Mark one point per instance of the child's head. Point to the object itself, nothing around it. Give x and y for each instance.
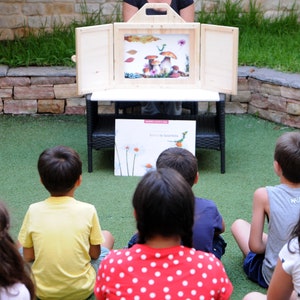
(164, 205)
(59, 168)
(287, 155)
(181, 160)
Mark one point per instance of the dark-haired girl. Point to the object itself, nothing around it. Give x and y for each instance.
(158, 266)
(15, 276)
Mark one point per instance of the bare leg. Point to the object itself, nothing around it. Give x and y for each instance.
(240, 230)
(255, 296)
(109, 240)
(293, 296)
(260, 296)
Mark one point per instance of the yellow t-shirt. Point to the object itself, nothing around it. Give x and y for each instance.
(61, 229)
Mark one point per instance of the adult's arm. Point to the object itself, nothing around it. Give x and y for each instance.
(128, 11)
(188, 13)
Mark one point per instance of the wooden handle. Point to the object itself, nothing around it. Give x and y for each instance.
(170, 17)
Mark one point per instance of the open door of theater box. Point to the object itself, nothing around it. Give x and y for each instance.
(157, 51)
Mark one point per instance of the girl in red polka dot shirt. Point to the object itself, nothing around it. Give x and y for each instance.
(163, 264)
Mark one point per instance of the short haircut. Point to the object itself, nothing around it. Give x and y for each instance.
(287, 154)
(59, 168)
(181, 160)
(164, 205)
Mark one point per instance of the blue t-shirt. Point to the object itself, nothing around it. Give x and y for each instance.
(207, 221)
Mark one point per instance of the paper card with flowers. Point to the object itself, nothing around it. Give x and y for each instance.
(139, 142)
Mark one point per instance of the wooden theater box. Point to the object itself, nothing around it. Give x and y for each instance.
(153, 53)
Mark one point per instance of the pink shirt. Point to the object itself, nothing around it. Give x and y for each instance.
(179, 272)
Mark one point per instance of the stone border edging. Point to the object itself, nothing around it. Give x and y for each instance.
(269, 94)
(271, 76)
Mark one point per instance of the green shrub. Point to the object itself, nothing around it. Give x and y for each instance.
(263, 42)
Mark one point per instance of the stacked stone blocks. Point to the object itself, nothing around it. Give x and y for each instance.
(269, 94)
(17, 16)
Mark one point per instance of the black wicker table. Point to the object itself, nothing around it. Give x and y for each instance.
(210, 127)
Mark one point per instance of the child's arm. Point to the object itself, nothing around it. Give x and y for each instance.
(218, 232)
(257, 239)
(95, 251)
(281, 285)
(28, 254)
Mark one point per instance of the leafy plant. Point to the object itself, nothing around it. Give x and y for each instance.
(271, 42)
(263, 42)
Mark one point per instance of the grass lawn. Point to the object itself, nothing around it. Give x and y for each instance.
(249, 158)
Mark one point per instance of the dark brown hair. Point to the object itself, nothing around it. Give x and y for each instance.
(287, 154)
(59, 168)
(164, 205)
(181, 160)
(13, 269)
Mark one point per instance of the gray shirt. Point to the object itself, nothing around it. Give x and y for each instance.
(284, 214)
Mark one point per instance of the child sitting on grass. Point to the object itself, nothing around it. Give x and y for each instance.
(15, 275)
(163, 264)
(61, 236)
(208, 222)
(278, 205)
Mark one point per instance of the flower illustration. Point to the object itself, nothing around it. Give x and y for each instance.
(127, 149)
(135, 150)
(181, 42)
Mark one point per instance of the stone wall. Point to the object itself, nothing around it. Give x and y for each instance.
(269, 94)
(16, 15)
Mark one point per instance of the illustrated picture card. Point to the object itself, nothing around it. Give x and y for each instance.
(138, 143)
(155, 54)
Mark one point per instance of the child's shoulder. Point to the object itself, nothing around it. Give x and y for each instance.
(85, 205)
(204, 203)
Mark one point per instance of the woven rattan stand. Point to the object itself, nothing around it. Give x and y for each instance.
(210, 129)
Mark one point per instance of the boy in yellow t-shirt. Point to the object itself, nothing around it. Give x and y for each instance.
(60, 235)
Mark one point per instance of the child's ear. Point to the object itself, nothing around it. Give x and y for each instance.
(78, 182)
(196, 178)
(277, 168)
(134, 213)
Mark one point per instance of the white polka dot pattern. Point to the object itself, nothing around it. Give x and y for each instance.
(142, 272)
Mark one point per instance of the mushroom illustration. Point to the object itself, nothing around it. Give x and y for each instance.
(155, 68)
(146, 71)
(166, 65)
(175, 72)
(150, 59)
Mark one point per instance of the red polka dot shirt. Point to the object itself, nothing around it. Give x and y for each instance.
(179, 272)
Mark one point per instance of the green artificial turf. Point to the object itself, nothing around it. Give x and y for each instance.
(249, 164)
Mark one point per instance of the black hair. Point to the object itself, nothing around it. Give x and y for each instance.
(295, 233)
(164, 205)
(181, 160)
(59, 168)
(287, 154)
(13, 268)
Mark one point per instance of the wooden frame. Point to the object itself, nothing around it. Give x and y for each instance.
(94, 57)
(219, 58)
(173, 47)
(100, 57)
